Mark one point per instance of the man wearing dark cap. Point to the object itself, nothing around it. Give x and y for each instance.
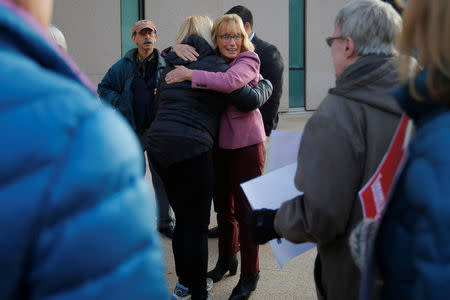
(129, 87)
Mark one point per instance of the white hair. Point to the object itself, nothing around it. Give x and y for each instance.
(373, 26)
(58, 36)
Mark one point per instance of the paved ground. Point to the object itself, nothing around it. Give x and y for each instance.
(294, 281)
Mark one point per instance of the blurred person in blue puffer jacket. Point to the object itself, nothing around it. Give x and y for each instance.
(75, 209)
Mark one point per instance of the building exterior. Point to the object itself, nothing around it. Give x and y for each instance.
(98, 34)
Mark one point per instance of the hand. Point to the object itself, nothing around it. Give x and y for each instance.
(185, 52)
(179, 74)
(260, 223)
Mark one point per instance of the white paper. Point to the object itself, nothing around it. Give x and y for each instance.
(269, 191)
(285, 251)
(284, 147)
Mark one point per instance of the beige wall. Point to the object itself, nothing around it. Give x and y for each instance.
(92, 31)
(319, 65)
(169, 14)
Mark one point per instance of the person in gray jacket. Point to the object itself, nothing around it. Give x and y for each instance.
(342, 145)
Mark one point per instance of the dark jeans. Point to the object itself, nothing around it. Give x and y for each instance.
(233, 167)
(189, 189)
(164, 217)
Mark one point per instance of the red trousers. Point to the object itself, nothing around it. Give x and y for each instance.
(233, 167)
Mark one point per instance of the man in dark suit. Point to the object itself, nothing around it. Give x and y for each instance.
(271, 68)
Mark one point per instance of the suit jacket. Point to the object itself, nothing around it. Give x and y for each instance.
(272, 69)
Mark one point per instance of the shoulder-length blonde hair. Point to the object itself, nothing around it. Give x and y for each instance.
(231, 23)
(195, 25)
(427, 27)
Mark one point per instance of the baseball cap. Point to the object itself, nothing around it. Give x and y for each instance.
(139, 25)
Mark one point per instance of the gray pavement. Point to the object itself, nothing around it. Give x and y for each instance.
(294, 281)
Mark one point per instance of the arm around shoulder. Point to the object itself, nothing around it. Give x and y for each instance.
(242, 72)
(249, 98)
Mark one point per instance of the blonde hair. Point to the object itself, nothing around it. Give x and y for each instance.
(427, 26)
(58, 36)
(231, 23)
(195, 25)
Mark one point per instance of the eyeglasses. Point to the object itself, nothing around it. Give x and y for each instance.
(228, 38)
(330, 40)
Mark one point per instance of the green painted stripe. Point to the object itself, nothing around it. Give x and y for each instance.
(129, 14)
(296, 53)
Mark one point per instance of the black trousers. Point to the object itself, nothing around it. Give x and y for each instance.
(189, 189)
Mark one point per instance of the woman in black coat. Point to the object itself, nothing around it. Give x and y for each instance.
(181, 140)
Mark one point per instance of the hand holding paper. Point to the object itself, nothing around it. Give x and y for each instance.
(260, 223)
(266, 194)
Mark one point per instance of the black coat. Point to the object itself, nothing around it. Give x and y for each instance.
(187, 120)
(272, 69)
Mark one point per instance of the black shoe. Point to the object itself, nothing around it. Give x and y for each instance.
(246, 285)
(167, 231)
(213, 233)
(223, 265)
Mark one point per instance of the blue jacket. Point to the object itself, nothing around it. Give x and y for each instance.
(412, 246)
(77, 213)
(115, 87)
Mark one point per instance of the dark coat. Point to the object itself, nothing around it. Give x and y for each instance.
(272, 69)
(115, 87)
(187, 120)
(341, 147)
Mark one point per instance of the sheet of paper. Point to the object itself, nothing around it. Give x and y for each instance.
(269, 191)
(283, 150)
(285, 251)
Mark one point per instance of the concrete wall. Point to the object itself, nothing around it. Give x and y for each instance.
(92, 31)
(319, 65)
(169, 14)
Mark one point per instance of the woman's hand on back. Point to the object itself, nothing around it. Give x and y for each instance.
(185, 52)
(179, 74)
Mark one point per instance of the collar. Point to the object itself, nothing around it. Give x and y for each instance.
(418, 110)
(140, 58)
(251, 37)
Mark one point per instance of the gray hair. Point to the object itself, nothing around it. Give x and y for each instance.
(373, 26)
(58, 36)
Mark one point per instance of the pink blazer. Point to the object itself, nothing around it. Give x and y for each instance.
(237, 129)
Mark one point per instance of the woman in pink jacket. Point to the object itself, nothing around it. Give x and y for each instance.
(240, 154)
